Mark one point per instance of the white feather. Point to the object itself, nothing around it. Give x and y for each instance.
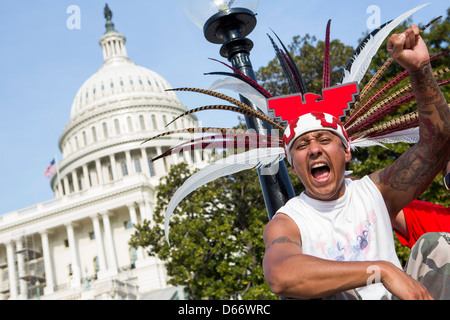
(243, 88)
(256, 158)
(408, 136)
(362, 61)
(364, 143)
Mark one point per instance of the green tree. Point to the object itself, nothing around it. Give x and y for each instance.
(216, 246)
(308, 54)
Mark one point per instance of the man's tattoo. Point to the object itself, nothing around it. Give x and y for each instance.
(422, 78)
(283, 239)
(417, 166)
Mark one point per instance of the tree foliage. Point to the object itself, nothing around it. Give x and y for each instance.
(216, 245)
(308, 54)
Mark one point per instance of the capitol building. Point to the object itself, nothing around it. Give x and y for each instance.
(75, 246)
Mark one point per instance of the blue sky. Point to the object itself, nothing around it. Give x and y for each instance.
(43, 63)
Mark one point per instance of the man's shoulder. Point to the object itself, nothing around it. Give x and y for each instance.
(280, 225)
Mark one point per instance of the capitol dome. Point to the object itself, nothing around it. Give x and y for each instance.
(118, 81)
(113, 112)
(119, 78)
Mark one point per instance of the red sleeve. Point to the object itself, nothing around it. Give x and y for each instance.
(422, 217)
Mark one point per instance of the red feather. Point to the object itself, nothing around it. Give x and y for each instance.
(380, 93)
(231, 140)
(381, 113)
(326, 59)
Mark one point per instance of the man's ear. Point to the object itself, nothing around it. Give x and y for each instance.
(348, 155)
(293, 170)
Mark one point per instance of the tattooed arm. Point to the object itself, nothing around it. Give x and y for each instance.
(413, 171)
(292, 274)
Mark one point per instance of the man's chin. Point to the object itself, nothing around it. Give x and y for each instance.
(324, 193)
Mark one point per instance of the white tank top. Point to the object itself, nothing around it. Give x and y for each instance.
(356, 227)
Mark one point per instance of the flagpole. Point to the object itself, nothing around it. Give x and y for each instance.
(57, 174)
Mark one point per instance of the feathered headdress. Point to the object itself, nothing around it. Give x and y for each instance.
(301, 112)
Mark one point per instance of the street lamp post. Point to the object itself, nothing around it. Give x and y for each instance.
(228, 22)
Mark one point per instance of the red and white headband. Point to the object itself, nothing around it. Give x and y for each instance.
(312, 112)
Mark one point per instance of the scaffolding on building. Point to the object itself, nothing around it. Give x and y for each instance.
(29, 271)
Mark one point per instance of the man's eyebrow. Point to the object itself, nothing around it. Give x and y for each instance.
(324, 133)
(316, 134)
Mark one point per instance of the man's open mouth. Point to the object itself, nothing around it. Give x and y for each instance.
(320, 171)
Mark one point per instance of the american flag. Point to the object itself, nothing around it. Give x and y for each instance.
(50, 169)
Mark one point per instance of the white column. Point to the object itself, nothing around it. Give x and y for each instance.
(23, 287)
(98, 167)
(111, 52)
(76, 270)
(134, 221)
(76, 186)
(108, 51)
(197, 156)
(60, 189)
(104, 52)
(99, 240)
(11, 270)
(160, 165)
(133, 215)
(86, 184)
(175, 159)
(66, 185)
(112, 260)
(112, 160)
(142, 210)
(187, 155)
(49, 277)
(146, 167)
(146, 211)
(130, 166)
